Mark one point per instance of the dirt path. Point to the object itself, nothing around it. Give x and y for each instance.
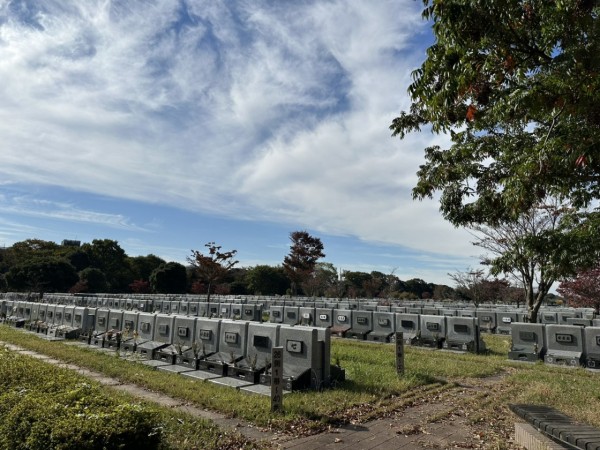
(442, 421)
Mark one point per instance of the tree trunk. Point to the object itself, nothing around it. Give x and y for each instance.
(208, 300)
(534, 302)
(294, 287)
(532, 311)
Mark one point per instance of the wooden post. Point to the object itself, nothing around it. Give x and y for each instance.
(277, 379)
(400, 353)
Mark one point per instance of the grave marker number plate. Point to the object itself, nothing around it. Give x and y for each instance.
(564, 338)
(294, 346)
(205, 335)
(231, 338)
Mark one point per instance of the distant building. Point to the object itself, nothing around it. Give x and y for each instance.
(70, 243)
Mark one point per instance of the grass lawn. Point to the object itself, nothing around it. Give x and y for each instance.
(372, 389)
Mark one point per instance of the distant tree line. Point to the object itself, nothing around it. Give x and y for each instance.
(35, 265)
(103, 266)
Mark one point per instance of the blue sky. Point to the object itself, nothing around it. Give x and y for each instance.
(168, 124)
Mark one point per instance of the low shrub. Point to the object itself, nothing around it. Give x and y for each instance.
(43, 407)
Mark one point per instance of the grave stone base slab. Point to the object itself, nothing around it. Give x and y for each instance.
(201, 375)
(155, 363)
(260, 389)
(231, 382)
(175, 369)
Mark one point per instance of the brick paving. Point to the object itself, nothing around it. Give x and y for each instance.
(430, 425)
(410, 430)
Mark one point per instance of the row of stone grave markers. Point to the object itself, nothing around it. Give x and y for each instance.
(442, 332)
(566, 345)
(224, 351)
(496, 319)
(251, 312)
(198, 306)
(377, 324)
(454, 333)
(419, 307)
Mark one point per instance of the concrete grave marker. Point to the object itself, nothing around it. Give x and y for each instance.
(277, 379)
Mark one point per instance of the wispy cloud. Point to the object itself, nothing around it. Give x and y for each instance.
(40, 208)
(11, 231)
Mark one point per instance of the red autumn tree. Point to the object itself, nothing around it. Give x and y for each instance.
(300, 263)
(583, 290)
(140, 287)
(212, 267)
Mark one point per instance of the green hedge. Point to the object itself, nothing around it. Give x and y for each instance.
(43, 407)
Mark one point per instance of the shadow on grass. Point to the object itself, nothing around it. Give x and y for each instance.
(418, 379)
(496, 352)
(425, 379)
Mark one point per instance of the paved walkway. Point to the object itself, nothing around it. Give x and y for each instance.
(431, 424)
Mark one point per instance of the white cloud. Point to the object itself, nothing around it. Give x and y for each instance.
(253, 111)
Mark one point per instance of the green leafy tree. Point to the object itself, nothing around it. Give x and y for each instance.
(79, 259)
(405, 295)
(419, 287)
(236, 281)
(169, 278)
(322, 279)
(94, 279)
(35, 246)
(143, 266)
(42, 274)
(25, 251)
(540, 247)
(300, 262)
(213, 267)
(356, 281)
(389, 283)
(267, 280)
(108, 256)
(520, 101)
